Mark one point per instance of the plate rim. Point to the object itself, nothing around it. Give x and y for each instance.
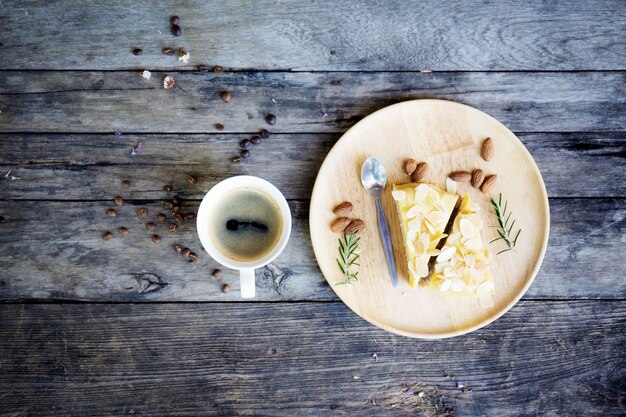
(531, 277)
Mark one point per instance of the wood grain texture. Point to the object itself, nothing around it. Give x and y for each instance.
(70, 101)
(90, 167)
(395, 35)
(551, 358)
(53, 251)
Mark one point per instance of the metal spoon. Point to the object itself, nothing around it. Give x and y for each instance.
(374, 178)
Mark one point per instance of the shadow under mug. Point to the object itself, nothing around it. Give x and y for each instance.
(246, 269)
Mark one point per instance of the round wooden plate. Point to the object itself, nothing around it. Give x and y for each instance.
(447, 136)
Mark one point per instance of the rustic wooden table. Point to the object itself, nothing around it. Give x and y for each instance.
(91, 327)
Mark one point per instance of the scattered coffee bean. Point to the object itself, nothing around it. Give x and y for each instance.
(174, 20)
(178, 248)
(107, 235)
(175, 209)
(265, 134)
(270, 119)
(150, 226)
(142, 213)
(235, 159)
(126, 184)
(218, 69)
(244, 143)
(186, 252)
(156, 238)
(123, 230)
(168, 51)
(179, 217)
(244, 153)
(161, 217)
(192, 179)
(193, 257)
(176, 30)
(118, 200)
(255, 140)
(219, 126)
(168, 204)
(167, 188)
(216, 273)
(172, 227)
(111, 212)
(225, 288)
(189, 216)
(204, 68)
(225, 96)
(175, 200)
(137, 51)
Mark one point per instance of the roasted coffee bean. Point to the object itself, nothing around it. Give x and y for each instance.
(218, 69)
(216, 273)
(118, 200)
(179, 217)
(168, 51)
(142, 213)
(137, 51)
(150, 226)
(225, 95)
(225, 288)
(244, 143)
(107, 235)
(192, 179)
(186, 252)
(167, 188)
(193, 257)
(270, 119)
(176, 30)
(126, 184)
(235, 159)
(175, 209)
(161, 217)
(168, 204)
(255, 140)
(244, 153)
(189, 216)
(264, 134)
(175, 200)
(204, 68)
(174, 20)
(178, 248)
(173, 227)
(123, 230)
(219, 126)
(156, 238)
(111, 212)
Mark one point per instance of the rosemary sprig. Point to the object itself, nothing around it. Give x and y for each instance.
(504, 227)
(348, 258)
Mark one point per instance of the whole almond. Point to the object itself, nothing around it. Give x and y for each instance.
(343, 209)
(410, 165)
(340, 224)
(461, 176)
(477, 178)
(489, 181)
(486, 151)
(419, 172)
(355, 227)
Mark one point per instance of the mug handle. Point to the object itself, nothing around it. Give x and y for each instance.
(246, 278)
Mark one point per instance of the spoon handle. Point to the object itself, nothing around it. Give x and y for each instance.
(385, 236)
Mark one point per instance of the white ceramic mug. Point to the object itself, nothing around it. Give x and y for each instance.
(246, 269)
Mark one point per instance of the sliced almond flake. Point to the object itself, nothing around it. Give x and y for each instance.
(430, 227)
(458, 285)
(413, 211)
(467, 228)
(470, 260)
(451, 185)
(437, 217)
(421, 267)
(441, 205)
(433, 252)
(474, 244)
(398, 195)
(476, 221)
(447, 272)
(446, 254)
(420, 192)
(445, 285)
(485, 301)
(410, 246)
(485, 288)
(415, 224)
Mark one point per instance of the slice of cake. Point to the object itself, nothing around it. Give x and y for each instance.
(424, 212)
(462, 266)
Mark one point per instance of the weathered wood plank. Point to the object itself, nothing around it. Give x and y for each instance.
(53, 251)
(409, 35)
(553, 358)
(86, 167)
(68, 101)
